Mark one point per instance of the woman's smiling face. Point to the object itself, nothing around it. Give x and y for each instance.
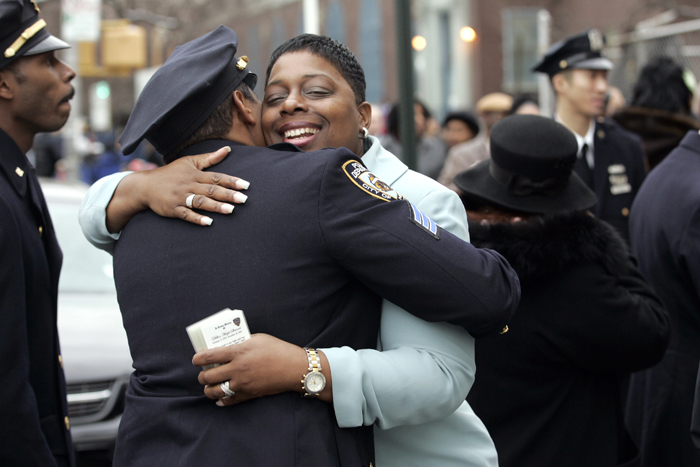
(308, 103)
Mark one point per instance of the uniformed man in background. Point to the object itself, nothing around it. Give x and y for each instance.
(610, 159)
(35, 92)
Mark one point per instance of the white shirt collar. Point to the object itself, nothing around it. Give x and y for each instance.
(581, 140)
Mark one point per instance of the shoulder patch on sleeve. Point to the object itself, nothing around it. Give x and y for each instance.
(423, 221)
(368, 182)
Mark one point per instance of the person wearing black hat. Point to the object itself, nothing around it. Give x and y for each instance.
(549, 389)
(610, 159)
(315, 251)
(34, 97)
(459, 127)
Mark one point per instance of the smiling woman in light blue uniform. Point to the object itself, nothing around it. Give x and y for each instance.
(413, 387)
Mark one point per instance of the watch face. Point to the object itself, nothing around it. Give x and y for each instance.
(314, 382)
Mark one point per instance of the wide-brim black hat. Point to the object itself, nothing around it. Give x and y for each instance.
(530, 169)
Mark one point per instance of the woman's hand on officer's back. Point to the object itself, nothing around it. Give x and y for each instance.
(261, 366)
(166, 190)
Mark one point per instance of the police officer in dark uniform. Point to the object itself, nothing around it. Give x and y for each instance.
(306, 258)
(34, 93)
(610, 159)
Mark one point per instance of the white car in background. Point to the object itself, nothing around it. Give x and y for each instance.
(94, 346)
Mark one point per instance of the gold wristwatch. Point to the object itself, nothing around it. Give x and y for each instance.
(314, 382)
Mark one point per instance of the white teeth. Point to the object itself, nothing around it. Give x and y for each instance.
(300, 132)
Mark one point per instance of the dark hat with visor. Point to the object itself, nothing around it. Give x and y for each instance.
(186, 90)
(581, 51)
(530, 170)
(23, 32)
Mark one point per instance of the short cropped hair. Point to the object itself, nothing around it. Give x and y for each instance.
(216, 126)
(13, 68)
(329, 49)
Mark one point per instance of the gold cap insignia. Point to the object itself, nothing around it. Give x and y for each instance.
(504, 330)
(242, 62)
(19, 172)
(595, 38)
(563, 64)
(24, 37)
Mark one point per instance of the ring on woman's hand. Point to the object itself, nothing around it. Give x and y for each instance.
(188, 201)
(227, 390)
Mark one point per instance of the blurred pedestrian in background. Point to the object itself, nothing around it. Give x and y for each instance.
(665, 237)
(614, 101)
(430, 150)
(35, 91)
(491, 108)
(660, 109)
(548, 390)
(610, 159)
(459, 127)
(525, 104)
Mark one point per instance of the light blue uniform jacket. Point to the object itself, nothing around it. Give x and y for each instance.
(415, 389)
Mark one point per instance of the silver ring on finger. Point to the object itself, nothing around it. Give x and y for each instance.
(227, 390)
(189, 200)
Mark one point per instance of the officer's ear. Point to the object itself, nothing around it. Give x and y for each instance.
(365, 110)
(560, 80)
(7, 84)
(248, 108)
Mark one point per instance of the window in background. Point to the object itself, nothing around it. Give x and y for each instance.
(519, 49)
(372, 49)
(335, 21)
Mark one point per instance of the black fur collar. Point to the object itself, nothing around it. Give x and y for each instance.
(548, 244)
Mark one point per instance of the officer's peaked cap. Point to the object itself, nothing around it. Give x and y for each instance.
(23, 32)
(581, 51)
(190, 85)
(530, 169)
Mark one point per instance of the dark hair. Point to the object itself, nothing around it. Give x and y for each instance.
(13, 68)
(467, 117)
(661, 86)
(392, 120)
(329, 49)
(522, 99)
(216, 126)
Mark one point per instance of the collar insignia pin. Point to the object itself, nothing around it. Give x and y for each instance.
(19, 172)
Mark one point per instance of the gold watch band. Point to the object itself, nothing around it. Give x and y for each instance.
(313, 358)
(314, 377)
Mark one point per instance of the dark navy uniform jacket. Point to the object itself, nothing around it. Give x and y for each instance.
(34, 426)
(665, 234)
(306, 258)
(618, 173)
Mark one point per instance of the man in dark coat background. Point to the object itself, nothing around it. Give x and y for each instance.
(34, 93)
(665, 237)
(322, 240)
(610, 159)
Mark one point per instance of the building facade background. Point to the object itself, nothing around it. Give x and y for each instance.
(449, 73)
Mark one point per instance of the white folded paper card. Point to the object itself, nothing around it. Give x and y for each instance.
(227, 327)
